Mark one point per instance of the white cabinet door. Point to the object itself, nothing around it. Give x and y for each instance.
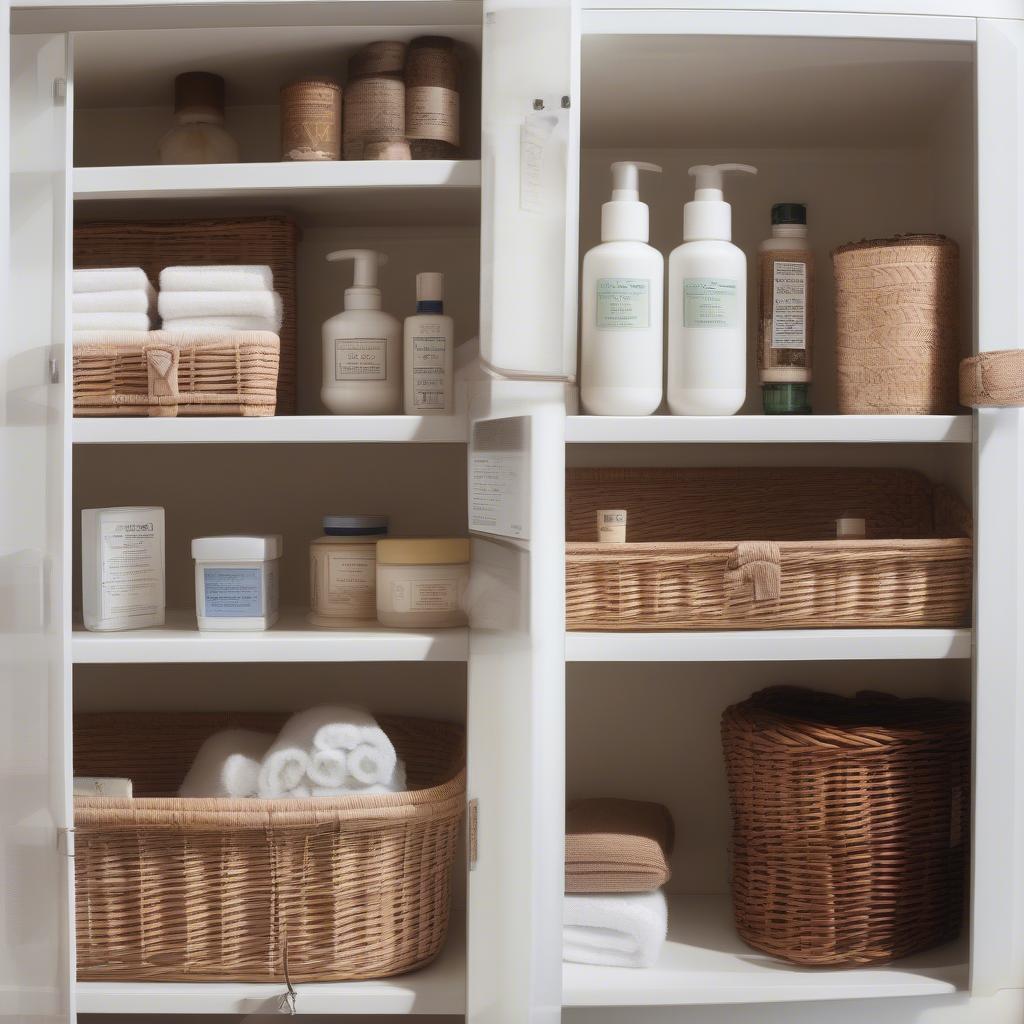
(516, 711)
(530, 142)
(997, 933)
(35, 953)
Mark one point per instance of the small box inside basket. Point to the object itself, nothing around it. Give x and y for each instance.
(756, 548)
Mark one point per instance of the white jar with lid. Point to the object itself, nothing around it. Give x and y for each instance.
(237, 580)
(422, 582)
(343, 570)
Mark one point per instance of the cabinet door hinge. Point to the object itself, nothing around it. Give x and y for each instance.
(54, 368)
(60, 90)
(66, 841)
(471, 832)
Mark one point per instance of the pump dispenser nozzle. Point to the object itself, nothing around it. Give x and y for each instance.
(624, 218)
(707, 215)
(364, 293)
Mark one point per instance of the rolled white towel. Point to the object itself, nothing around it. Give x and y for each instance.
(614, 930)
(134, 300)
(175, 305)
(328, 768)
(230, 278)
(110, 322)
(227, 765)
(396, 785)
(372, 765)
(109, 279)
(348, 730)
(286, 764)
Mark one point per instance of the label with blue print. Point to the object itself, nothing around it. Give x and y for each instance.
(623, 303)
(233, 593)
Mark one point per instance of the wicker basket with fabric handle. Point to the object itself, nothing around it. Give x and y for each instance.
(156, 373)
(993, 379)
(333, 889)
(850, 823)
(155, 244)
(755, 548)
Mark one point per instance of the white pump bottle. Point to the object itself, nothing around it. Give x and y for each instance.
(707, 306)
(362, 368)
(622, 304)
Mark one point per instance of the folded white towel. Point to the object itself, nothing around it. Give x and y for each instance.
(231, 278)
(372, 765)
(175, 305)
(346, 732)
(109, 279)
(135, 300)
(227, 765)
(615, 930)
(110, 322)
(222, 324)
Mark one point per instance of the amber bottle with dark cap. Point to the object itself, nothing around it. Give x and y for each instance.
(198, 135)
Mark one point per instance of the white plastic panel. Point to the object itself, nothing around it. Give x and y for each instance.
(530, 158)
(997, 953)
(35, 965)
(516, 716)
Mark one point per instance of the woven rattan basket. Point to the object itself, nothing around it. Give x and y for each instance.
(245, 890)
(755, 548)
(897, 325)
(156, 244)
(154, 373)
(850, 824)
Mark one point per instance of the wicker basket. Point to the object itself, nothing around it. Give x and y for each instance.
(156, 244)
(246, 890)
(154, 373)
(897, 325)
(850, 824)
(754, 548)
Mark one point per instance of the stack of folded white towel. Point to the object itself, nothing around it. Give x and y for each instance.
(325, 751)
(221, 298)
(109, 299)
(621, 929)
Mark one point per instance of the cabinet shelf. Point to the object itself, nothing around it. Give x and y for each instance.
(705, 962)
(290, 639)
(769, 429)
(771, 645)
(270, 429)
(356, 192)
(439, 988)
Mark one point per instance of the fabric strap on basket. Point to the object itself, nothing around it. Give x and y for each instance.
(754, 572)
(993, 379)
(162, 369)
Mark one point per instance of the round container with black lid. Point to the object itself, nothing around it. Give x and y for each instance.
(343, 570)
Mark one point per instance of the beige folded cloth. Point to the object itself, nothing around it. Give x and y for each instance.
(617, 846)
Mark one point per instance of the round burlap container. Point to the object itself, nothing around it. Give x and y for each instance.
(897, 325)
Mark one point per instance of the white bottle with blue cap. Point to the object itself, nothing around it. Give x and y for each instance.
(707, 305)
(621, 338)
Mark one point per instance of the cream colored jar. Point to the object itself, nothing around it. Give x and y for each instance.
(343, 571)
(422, 582)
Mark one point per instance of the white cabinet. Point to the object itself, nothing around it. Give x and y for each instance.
(883, 122)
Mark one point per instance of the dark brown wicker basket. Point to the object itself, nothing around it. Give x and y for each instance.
(850, 823)
(337, 889)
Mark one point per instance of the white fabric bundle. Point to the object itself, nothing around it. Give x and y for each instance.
(614, 930)
(176, 305)
(131, 300)
(110, 321)
(227, 765)
(110, 279)
(208, 324)
(241, 277)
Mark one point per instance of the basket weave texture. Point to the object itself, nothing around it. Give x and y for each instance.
(156, 244)
(755, 548)
(897, 325)
(850, 824)
(156, 373)
(331, 889)
(993, 379)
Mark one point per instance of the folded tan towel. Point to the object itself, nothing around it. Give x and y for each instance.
(617, 846)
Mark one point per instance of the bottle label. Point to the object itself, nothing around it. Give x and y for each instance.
(131, 570)
(428, 358)
(426, 596)
(623, 303)
(710, 302)
(360, 359)
(232, 593)
(789, 305)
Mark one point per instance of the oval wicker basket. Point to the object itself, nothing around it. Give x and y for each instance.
(850, 823)
(246, 890)
(897, 325)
